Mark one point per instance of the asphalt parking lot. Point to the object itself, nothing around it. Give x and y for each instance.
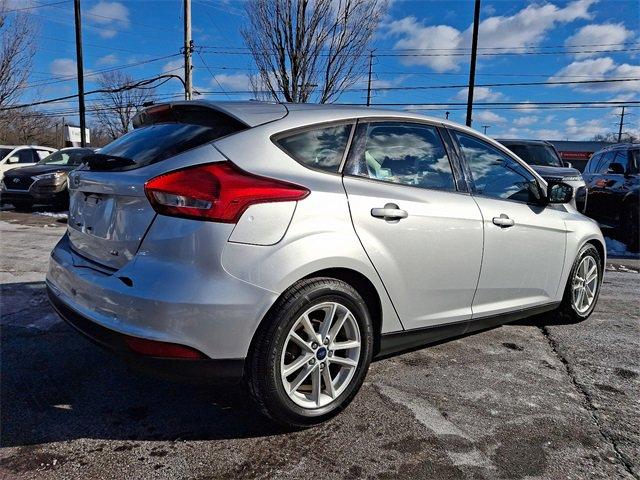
(529, 400)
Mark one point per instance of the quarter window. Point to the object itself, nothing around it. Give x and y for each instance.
(321, 148)
(495, 174)
(405, 153)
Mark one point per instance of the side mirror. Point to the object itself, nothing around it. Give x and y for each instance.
(567, 164)
(616, 168)
(13, 160)
(559, 193)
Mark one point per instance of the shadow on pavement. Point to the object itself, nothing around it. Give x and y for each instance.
(57, 386)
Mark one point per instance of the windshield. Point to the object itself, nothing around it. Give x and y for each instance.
(4, 152)
(536, 154)
(65, 157)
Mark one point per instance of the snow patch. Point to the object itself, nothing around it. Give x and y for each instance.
(53, 214)
(616, 248)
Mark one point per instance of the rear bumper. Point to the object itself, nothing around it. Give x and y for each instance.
(162, 300)
(227, 371)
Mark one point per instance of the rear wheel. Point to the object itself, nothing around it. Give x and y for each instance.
(583, 286)
(310, 359)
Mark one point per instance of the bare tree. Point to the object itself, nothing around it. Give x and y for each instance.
(306, 46)
(28, 126)
(627, 137)
(115, 110)
(16, 55)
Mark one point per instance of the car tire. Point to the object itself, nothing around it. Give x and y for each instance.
(571, 310)
(630, 226)
(23, 206)
(274, 344)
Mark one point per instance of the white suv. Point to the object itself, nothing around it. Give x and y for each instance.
(21, 155)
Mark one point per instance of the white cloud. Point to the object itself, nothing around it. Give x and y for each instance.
(64, 67)
(599, 69)
(414, 35)
(525, 28)
(480, 94)
(110, 59)
(584, 128)
(174, 67)
(525, 121)
(488, 117)
(111, 16)
(603, 34)
(233, 81)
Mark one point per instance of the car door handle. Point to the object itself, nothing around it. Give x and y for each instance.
(389, 212)
(503, 221)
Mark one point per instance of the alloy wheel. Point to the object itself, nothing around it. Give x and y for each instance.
(320, 355)
(585, 284)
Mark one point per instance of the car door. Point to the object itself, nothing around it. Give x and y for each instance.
(524, 242)
(598, 187)
(423, 236)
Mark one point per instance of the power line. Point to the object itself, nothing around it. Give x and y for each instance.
(438, 87)
(226, 51)
(123, 88)
(101, 71)
(212, 75)
(36, 6)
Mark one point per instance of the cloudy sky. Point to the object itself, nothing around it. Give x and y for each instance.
(421, 44)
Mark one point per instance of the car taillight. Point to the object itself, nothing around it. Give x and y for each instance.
(218, 192)
(154, 348)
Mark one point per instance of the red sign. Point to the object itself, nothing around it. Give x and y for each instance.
(575, 155)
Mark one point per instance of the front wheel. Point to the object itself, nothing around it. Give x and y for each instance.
(583, 286)
(311, 357)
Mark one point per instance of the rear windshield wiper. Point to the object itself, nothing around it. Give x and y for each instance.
(103, 162)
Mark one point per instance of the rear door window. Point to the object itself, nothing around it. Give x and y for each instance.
(407, 153)
(320, 148)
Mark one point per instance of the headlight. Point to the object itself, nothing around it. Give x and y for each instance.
(55, 177)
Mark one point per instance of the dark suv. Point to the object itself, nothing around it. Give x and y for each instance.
(614, 185)
(544, 159)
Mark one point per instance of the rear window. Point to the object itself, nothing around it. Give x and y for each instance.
(162, 135)
(320, 148)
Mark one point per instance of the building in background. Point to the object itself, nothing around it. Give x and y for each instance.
(577, 153)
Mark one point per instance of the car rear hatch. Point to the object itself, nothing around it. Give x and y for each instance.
(109, 213)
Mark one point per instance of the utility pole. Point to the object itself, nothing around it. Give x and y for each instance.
(472, 67)
(485, 128)
(621, 124)
(188, 50)
(80, 69)
(369, 84)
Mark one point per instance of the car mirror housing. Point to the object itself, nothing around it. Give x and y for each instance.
(13, 159)
(558, 192)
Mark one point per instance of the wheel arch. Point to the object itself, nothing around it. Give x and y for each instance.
(357, 280)
(602, 251)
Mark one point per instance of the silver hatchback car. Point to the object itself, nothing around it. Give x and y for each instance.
(289, 245)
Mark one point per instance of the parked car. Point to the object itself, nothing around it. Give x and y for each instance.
(614, 184)
(21, 155)
(545, 160)
(44, 182)
(288, 245)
